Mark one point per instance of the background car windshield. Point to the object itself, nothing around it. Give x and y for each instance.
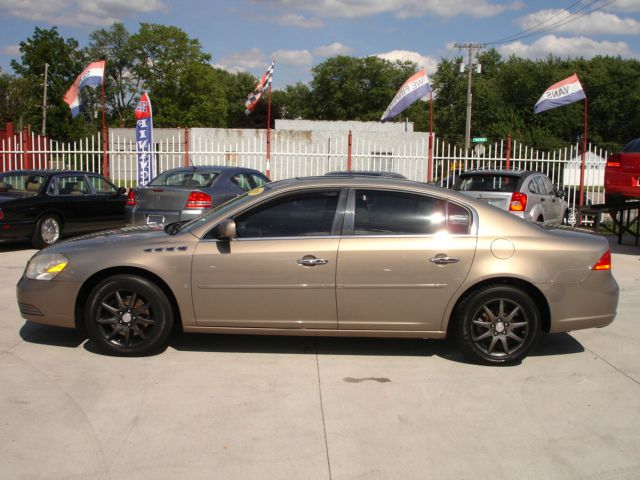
(488, 183)
(184, 179)
(21, 183)
(632, 147)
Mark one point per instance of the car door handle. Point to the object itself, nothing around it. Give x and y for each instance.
(310, 261)
(444, 260)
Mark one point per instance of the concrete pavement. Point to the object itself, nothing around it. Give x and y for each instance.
(242, 407)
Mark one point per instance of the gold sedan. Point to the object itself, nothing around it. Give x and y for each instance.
(340, 256)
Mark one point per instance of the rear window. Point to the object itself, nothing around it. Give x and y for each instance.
(487, 183)
(21, 183)
(632, 147)
(184, 179)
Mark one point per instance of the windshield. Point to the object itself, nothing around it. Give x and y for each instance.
(222, 208)
(184, 179)
(21, 183)
(487, 183)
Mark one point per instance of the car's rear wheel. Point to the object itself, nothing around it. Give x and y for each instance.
(47, 232)
(128, 315)
(497, 325)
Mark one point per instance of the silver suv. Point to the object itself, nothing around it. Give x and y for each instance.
(528, 195)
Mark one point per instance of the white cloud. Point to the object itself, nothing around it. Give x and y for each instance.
(296, 58)
(624, 6)
(430, 64)
(400, 8)
(565, 47)
(11, 50)
(295, 20)
(592, 24)
(243, 61)
(332, 50)
(79, 12)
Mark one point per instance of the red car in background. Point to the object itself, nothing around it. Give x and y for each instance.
(622, 174)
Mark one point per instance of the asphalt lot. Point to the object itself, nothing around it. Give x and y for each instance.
(244, 407)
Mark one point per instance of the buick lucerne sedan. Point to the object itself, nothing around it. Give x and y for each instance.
(330, 256)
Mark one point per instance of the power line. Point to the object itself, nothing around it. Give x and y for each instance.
(537, 30)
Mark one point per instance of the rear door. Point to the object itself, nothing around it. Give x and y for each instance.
(401, 258)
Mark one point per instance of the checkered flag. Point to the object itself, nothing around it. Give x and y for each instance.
(263, 85)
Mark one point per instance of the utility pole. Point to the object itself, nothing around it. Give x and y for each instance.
(44, 101)
(470, 48)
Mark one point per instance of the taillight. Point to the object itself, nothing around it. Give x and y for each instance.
(604, 263)
(614, 161)
(1, 214)
(198, 200)
(518, 202)
(131, 197)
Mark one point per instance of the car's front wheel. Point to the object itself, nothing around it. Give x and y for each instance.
(497, 325)
(47, 232)
(128, 315)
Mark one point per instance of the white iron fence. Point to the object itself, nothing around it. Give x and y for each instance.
(294, 155)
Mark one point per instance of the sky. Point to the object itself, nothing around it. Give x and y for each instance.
(244, 35)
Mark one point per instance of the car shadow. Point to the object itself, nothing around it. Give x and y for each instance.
(15, 247)
(549, 345)
(49, 335)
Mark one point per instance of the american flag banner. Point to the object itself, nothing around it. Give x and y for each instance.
(263, 85)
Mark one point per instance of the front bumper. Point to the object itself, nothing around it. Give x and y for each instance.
(49, 302)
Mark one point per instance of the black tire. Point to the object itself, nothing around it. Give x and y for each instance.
(497, 325)
(47, 232)
(128, 315)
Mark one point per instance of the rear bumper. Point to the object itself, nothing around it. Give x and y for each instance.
(136, 216)
(15, 231)
(622, 183)
(590, 303)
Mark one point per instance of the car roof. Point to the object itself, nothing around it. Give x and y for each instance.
(511, 173)
(365, 173)
(211, 168)
(49, 172)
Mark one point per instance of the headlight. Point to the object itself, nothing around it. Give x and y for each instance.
(46, 266)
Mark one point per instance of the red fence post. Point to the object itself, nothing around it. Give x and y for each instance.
(186, 146)
(26, 147)
(508, 151)
(105, 154)
(349, 151)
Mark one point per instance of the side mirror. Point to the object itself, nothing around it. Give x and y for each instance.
(226, 230)
(122, 191)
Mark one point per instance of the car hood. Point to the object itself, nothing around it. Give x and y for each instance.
(108, 239)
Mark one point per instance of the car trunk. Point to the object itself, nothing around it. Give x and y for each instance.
(162, 198)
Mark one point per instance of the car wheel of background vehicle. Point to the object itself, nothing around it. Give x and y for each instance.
(47, 232)
(128, 315)
(497, 325)
(565, 217)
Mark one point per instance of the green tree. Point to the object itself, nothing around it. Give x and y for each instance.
(65, 61)
(164, 61)
(15, 100)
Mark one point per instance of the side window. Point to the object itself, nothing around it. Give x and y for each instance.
(533, 186)
(458, 219)
(242, 181)
(548, 186)
(299, 215)
(73, 185)
(259, 180)
(101, 186)
(397, 213)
